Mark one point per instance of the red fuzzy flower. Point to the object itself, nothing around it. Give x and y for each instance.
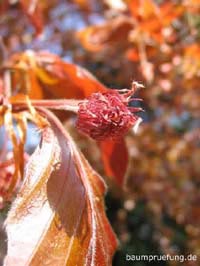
(107, 115)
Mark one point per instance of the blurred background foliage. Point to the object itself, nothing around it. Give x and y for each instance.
(157, 44)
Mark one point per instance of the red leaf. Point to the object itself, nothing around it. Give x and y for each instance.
(32, 8)
(115, 159)
(58, 217)
(62, 79)
(45, 75)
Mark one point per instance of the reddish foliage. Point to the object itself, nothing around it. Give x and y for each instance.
(155, 42)
(115, 159)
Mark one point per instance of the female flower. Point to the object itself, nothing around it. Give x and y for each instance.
(107, 115)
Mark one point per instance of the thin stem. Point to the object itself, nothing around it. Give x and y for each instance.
(7, 84)
(65, 104)
(142, 51)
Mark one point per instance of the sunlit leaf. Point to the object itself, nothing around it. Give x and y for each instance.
(43, 74)
(152, 18)
(58, 217)
(95, 38)
(191, 61)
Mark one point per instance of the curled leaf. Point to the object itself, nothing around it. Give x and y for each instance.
(58, 217)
